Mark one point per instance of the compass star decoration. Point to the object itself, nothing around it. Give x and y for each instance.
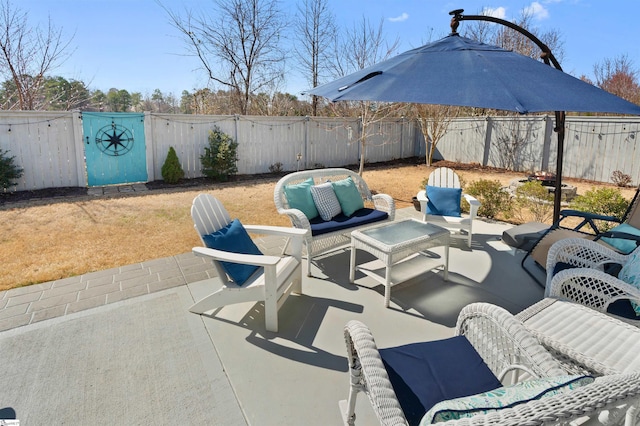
(114, 140)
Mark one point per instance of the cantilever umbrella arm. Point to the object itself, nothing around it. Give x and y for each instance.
(549, 59)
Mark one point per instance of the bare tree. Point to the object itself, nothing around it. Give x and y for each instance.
(507, 38)
(28, 53)
(618, 76)
(238, 44)
(361, 46)
(434, 122)
(315, 28)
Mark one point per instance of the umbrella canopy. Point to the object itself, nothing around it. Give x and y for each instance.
(459, 71)
(462, 72)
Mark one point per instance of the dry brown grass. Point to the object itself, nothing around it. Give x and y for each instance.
(42, 243)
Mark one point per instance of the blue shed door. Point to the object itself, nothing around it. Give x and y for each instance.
(114, 148)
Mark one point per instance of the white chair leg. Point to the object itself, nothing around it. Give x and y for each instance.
(271, 299)
(271, 314)
(296, 286)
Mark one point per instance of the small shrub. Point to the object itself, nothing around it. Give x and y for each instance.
(171, 169)
(604, 201)
(275, 168)
(220, 157)
(621, 179)
(533, 201)
(493, 198)
(9, 171)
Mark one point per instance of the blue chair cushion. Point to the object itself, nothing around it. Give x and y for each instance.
(340, 222)
(423, 374)
(234, 238)
(623, 245)
(443, 201)
(299, 197)
(348, 196)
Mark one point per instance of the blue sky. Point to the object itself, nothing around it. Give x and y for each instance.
(130, 44)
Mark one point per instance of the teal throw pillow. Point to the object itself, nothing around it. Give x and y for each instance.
(630, 274)
(348, 196)
(443, 201)
(235, 239)
(504, 397)
(326, 201)
(620, 244)
(299, 197)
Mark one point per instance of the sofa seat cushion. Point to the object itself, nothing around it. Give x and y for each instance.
(340, 222)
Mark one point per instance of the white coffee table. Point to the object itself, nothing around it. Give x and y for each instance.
(395, 242)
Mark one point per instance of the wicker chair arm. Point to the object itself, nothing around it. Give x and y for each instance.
(591, 287)
(385, 203)
(581, 253)
(503, 342)
(298, 219)
(369, 374)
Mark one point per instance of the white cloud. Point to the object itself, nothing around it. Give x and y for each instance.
(537, 10)
(498, 12)
(403, 17)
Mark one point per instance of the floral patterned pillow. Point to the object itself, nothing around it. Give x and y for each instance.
(630, 273)
(504, 397)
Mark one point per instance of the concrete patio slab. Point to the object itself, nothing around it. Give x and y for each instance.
(150, 359)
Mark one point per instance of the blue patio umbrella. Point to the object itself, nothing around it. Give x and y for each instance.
(462, 72)
(459, 71)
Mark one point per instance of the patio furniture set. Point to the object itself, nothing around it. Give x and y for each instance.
(564, 359)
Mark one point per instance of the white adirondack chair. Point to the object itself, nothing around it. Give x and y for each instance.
(445, 177)
(272, 283)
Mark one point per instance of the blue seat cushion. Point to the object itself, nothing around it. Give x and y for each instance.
(622, 245)
(443, 201)
(340, 222)
(423, 374)
(235, 239)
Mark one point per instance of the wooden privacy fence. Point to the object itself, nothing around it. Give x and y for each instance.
(50, 147)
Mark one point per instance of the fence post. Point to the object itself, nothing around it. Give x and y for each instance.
(487, 142)
(304, 159)
(81, 159)
(402, 138)
(151, 151)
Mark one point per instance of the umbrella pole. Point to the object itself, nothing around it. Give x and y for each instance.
(557, 193)
(548, 58)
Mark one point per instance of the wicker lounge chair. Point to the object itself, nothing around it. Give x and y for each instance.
(584, 272)
(504, 345)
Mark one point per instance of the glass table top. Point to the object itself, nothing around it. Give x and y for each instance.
(400, 232)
